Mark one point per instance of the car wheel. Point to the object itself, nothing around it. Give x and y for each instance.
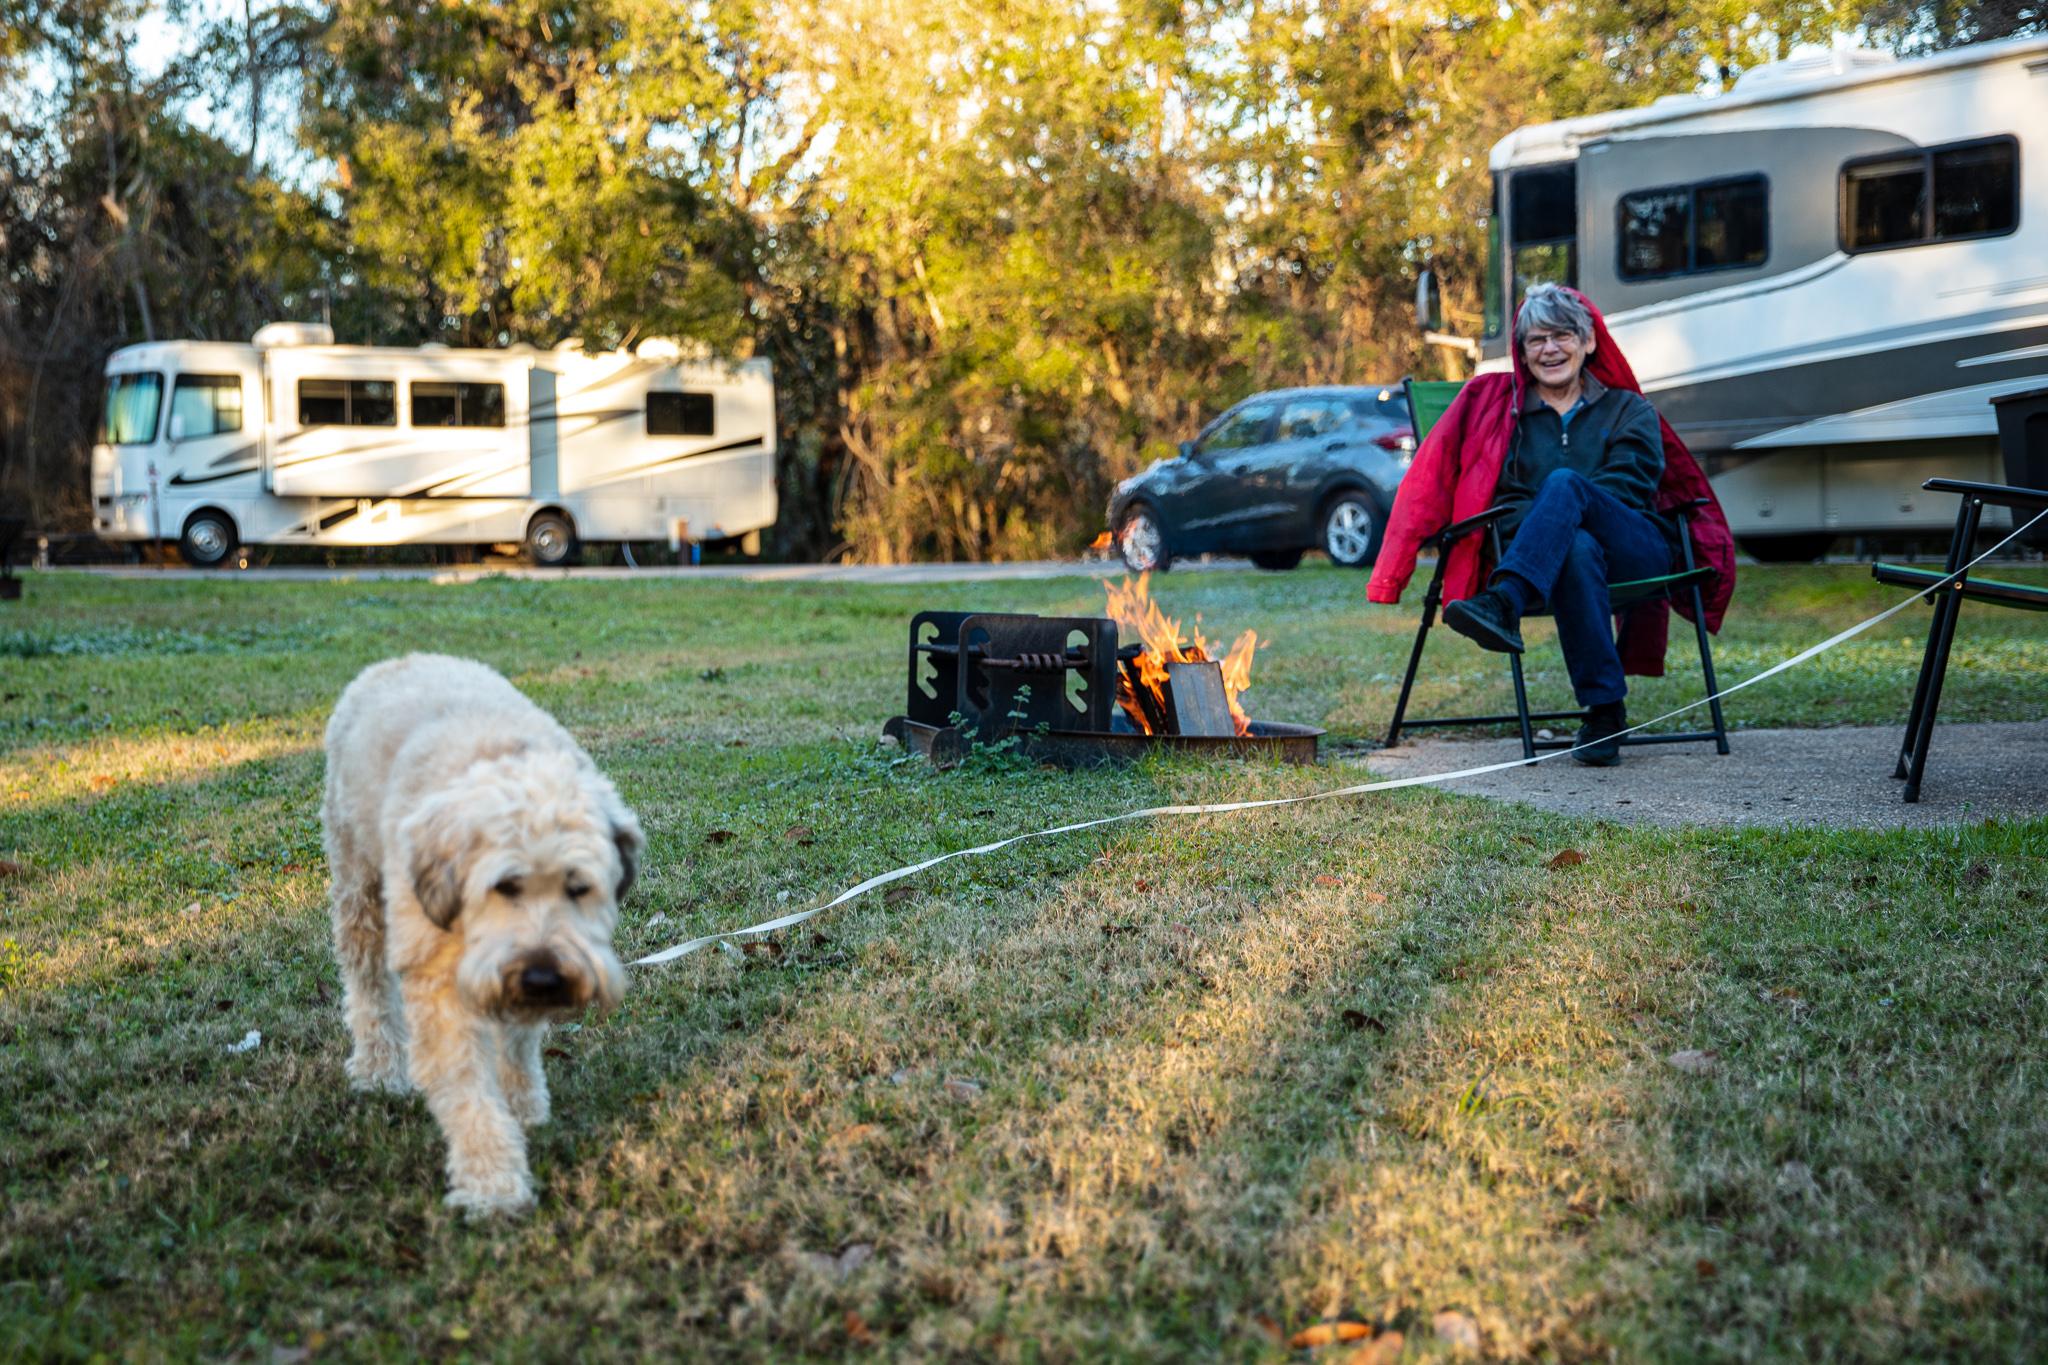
(1277, 560)
(1141, 540)
(1352, 527)
(208, 540)
(551, 540)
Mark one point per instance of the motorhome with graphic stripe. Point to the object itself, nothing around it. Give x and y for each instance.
(291, 439)
(1821, 276)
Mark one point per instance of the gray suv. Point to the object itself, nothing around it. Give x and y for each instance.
(1278, 475)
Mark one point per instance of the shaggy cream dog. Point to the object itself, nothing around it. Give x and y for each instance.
(478, 858)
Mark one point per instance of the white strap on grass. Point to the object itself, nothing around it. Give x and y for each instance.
(1389, 784)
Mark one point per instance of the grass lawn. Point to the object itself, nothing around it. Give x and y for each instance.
(1167, 1091)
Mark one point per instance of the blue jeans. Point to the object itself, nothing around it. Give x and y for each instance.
(1575, 539)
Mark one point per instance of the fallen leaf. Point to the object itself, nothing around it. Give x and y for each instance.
(896, 895)
(1571, 857)
(1705, 1268)
(963, 1090)
(1327, 880)
(800, 835)
(458, 1333)
(1383, 1349)
(1271, 1328)
(557, 1052)
(719, 836)
(735, 744)
(10, 868)
(1356, 1019)
(857, 1329)
(1328, 1334)
(1694, 1061)
(1112, 930)
(1456, 1330)
(1144, 885)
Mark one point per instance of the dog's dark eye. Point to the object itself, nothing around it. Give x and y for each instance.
(510, 888)
(575, 890)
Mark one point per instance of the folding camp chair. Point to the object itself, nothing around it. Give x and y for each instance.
(1427, 402)
(1948, 605)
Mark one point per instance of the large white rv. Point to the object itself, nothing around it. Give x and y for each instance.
(1821, 276)
(291, 439)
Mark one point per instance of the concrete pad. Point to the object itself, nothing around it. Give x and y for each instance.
(1836, 779)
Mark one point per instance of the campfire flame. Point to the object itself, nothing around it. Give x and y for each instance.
(1135, 612)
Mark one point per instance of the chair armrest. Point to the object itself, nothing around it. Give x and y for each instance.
(1997, 494)
(1459, 529)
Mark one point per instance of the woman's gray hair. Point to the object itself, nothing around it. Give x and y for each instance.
(1553, 308)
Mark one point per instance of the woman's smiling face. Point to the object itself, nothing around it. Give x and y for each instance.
(1556, 355)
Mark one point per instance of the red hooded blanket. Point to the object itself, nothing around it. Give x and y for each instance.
(1457, 468)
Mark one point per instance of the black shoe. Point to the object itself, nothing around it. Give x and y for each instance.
(1489, 620)
(1599, 743)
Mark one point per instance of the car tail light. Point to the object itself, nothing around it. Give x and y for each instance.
(1396, 442)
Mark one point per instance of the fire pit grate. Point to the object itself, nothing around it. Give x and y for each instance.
(1050, 682)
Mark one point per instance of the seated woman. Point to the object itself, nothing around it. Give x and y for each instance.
(1581, 465)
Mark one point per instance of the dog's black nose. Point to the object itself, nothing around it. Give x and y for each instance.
(541, 983)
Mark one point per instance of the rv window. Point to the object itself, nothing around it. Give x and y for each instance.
(458, 405)
(1684, 229)
(348, 403)
(1884, 202)
(1545, 203)
(1654, 228)
(679, 414)
(1731, 224)
(208, 405)
(1939, 194)
(129, 418)
(1975, 194)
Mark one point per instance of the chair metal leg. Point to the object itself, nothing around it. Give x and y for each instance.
(1942, 603)
(1922, 737)
(1699, 625)
(1430, 601)
(1522, 706)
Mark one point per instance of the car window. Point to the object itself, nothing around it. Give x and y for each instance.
(1388, 405)
(1304, 418)
(1245, 427)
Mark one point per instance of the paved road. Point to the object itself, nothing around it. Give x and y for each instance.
(751, 573)
(1831, 778)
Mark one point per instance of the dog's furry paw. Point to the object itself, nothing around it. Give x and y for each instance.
(496, 1200)
(529, 1107)
(378, 1075)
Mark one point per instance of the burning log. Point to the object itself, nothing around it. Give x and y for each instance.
(1143, 691)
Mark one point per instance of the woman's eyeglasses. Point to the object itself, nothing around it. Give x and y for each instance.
(1536, 341)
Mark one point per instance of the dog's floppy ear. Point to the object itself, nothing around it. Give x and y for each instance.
(626, 834)
(437, 857)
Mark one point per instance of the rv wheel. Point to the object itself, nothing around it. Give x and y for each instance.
(208, 540)
(551, 540)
